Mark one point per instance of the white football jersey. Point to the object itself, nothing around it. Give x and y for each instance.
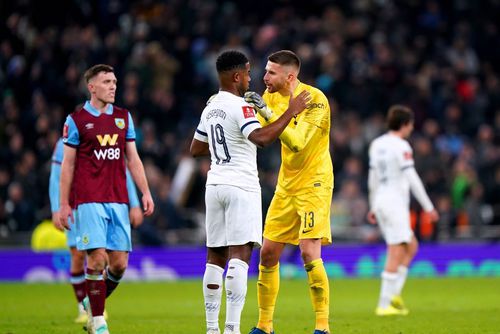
(389, 156)
(226, 123)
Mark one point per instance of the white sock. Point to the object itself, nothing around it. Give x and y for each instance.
(236, 291)
(213, 275)
(99, 321)
(400, 282)
(81, 309)
(387, 289)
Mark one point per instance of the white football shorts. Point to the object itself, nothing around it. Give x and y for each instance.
(234, 216)
(394, 223)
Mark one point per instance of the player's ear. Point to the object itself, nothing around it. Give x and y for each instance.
(236, 76)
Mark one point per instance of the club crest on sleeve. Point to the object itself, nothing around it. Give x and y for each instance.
(248, 112)
(408, 156)
(65, 131)
(120, 123)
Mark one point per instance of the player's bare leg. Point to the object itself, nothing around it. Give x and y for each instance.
(402, 271)
(118, 262)
(319, 288)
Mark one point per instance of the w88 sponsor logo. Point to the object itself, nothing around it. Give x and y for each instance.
(107, 154)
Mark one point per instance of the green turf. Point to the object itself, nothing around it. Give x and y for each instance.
(458, 305)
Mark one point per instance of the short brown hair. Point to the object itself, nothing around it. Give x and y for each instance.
(399, 116)
(285, 57)
(95, 70)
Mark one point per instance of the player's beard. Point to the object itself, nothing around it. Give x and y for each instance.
(242, 89)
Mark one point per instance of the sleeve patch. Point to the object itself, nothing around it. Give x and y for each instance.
(407, 155)
(65, 131)
(248, 112)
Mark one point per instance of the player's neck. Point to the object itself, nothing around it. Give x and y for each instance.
(397, 134)
(99, 105)
(231, 90)
(286, 90)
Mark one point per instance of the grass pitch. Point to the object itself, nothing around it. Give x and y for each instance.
(442, 305)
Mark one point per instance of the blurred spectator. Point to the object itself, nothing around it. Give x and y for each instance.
(20, 212)
(437, 57)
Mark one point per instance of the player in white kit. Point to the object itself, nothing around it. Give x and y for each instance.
(229, 132)
(391, 177)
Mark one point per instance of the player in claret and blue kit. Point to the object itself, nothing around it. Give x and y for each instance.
(77, 269)
(97, 138)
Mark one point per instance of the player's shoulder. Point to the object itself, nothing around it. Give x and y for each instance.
(385, 141)
(119, 110)
(78, 112)
(319, 101)
(316, 93)
(397, 143)
(380, 139)
(225, 106)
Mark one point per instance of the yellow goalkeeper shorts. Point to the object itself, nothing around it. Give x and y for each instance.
(305, 216)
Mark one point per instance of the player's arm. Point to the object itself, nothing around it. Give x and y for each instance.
(199, 148)
(199, 144)
(372, 187)
(297, 138)
(407, 165)
(269, 133)
(294, 138)
(135, 211)
(136, 168)
(67, 172)
(418, 190)
(55, 175)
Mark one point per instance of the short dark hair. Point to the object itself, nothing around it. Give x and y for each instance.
(95, 70)
(285, 57)
(231, 60)
(399, 116)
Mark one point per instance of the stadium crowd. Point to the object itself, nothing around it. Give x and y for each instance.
(441, 58)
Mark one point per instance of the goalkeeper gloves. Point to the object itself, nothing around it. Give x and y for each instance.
(258, 103)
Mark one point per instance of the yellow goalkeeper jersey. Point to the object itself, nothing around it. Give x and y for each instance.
(306, 164)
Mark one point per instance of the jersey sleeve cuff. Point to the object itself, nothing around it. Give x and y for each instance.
(201, 136)
(71, 144)
(249, 127)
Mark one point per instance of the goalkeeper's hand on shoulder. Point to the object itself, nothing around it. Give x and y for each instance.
(256, 101)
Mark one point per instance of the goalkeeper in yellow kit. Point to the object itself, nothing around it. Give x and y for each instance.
(299, 213)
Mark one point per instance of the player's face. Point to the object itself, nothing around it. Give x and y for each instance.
(244, 81)
(103, 86)
(277, 77)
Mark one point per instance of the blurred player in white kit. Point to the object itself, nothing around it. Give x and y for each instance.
(390, 178)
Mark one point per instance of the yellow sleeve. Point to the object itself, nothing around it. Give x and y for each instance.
(297, 138)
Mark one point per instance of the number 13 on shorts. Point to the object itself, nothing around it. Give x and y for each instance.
(307, 221)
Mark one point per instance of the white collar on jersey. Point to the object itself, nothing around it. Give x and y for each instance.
(226, 94)
(94, 112)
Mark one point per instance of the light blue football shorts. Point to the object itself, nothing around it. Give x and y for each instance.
(71, 234)
(103, 225)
